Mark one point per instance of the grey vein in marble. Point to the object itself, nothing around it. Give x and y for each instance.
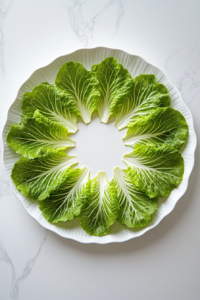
(5, 257)
(183, 66)
(27, 270)
(84, 29)
(4, 8)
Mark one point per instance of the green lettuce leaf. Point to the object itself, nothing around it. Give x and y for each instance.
(80, 88)
(115, 84)
(163, 125)
(34, 136)
(37, 178)
(101, 207)
(146, 95)
(136, 208)
(155, 170)
(48, 100)
(67, 203)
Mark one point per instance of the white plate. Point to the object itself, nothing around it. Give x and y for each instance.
(135, 65)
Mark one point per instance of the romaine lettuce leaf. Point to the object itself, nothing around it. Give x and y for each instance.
(115, 84)
(163, 125)
(37, 178)
(66, 203)
(155, 170)
(34, 136)
(146, 95)
(48, 100)
(136, 208)
(101, 206)
(80, 88)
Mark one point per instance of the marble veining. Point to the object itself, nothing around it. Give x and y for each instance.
(187, 76)
(27, 269)
(4, 8)
(84, 29)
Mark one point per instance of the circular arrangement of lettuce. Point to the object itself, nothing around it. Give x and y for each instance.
(45, 173)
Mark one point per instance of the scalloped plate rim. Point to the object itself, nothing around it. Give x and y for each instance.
(143, 231)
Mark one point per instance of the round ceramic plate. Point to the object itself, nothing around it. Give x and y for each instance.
(135, 65)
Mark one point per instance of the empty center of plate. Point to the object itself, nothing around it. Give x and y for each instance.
(99, 146)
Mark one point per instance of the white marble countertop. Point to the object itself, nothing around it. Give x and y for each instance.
(162, 264)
